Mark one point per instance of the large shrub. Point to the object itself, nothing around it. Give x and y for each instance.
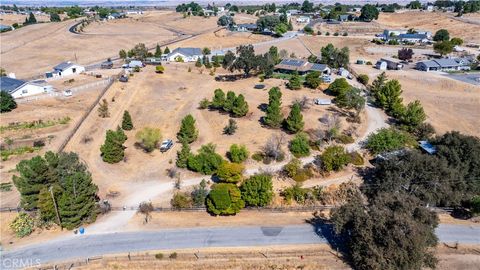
(334, 158)
(7, 102)
(206, 161)
(388, 139)
(238, 153)
(148, 138)
(230, 172)
(224, 199)
(257, 190)
(299, 145)
(22, 225)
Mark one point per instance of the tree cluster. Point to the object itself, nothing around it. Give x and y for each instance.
(335, 57)
(59, 186)
(235, 105)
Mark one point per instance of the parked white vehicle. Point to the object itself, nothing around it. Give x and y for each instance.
(68, 93)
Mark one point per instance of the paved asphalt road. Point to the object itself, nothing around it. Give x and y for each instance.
(80, 247)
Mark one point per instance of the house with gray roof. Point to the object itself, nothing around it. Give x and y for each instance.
(65, 69)
(444, 64)
(19, 88)
(245, 27)
(185, 54)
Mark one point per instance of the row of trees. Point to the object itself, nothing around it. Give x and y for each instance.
(140, 52)
(444, 45)
(273, 115)
(230, 103)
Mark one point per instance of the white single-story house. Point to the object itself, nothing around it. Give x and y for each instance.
(444, 64)
(186, 54)
(116, 15)
(65, 69)
(133, 12)
(404, 35)
(303, 19)
(245, 27)
(136, 63)
(19, 88)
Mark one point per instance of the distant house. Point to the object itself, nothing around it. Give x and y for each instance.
(65, 69)
(301, 66)
(343, 18)
(405, 36)
(135, 63)
(186, 54)
(116, 15)
(5, 28)
(246, 27)
(303, 19)
(134, 12)
(19, 88)
(444, 64)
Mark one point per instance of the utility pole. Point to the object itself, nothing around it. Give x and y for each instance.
(56, 208)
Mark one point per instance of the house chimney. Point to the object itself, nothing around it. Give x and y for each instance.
(12, 75)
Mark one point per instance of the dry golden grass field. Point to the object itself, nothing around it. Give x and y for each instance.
(432, 21)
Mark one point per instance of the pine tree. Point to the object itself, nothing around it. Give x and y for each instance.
(218, 99)
(274, 117)
(389, 96)
(158, 51)
(7, 102)
(240, 106)
(198, 63)
(228, 105)
(127, 121)
(378, 83)
(294, 122)
(187, 133)
(103, 109)
(182, 155)
(166, 51)
(77, 202)
(112, 150)
(34, 175)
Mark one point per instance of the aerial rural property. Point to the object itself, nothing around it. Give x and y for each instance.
(239, 134)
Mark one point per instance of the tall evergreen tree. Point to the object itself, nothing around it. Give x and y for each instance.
(34, 175)
(7, 102)
(54, 17)
(240, 106)
(295, 82)
(77, 202)
(166, 51)
(182, 155)
(158, 51)
(127, 121)
(294, 122)
(273, 117)
(228, 105)
(188, 131)
(218, 99)
(389, 96)
(112, 150)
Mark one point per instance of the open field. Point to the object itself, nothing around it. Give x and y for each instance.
(448, 103)
(314, 257)
(9, 19)
(432, 21)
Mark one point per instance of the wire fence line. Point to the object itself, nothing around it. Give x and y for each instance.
(88, 112)
(306, 208)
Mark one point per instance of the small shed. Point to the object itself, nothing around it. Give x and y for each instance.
(135, 63)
